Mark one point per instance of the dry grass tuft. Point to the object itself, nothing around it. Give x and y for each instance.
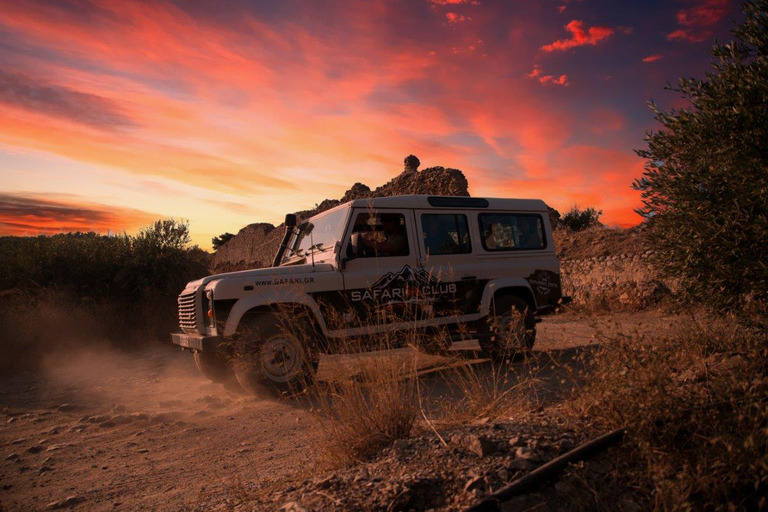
(695, 408)
(362, 415)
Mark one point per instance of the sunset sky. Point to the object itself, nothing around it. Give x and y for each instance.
(116, 113)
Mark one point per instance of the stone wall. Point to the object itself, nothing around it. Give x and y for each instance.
(614, 282)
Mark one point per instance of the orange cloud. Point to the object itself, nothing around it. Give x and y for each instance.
(27, 215)
(653, 58)
(698, 21)
(579, 37)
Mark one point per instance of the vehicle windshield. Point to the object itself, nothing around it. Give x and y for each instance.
(317, 237)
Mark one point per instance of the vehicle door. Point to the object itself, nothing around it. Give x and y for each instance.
(448, 261)
(379, 271)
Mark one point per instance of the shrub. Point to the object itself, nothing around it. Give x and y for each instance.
(694, 408)
(220, 240)
(122, 288)
(577, 220)
(705, 185)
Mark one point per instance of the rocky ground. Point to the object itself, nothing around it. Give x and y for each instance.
(106, 431)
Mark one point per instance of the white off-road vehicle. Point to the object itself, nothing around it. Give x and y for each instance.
(424, 267)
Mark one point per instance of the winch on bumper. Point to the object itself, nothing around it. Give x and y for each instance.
(196, 341)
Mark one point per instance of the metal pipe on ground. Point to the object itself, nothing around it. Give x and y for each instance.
(526, 483)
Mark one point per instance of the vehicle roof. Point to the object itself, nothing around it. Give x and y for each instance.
(423, 202)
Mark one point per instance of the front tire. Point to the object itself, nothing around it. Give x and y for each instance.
(273, 357)
(510, 331)
(213, 366)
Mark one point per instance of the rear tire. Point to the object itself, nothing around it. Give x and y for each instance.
(213, 366)
(272, 357)
(511, 330)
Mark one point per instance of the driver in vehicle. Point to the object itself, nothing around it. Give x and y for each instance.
(395, 242)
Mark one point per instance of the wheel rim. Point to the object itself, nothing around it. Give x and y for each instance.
(281, 358)
(511, 332)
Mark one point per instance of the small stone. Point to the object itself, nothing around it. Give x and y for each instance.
(19, 440)
(13, 456)
(520, 465)
(107, 424)
(503, 475)
(514, 441)
(401, 445)
(35, 449)
(144, 450)
(480, 446)
(474, 483)
(292, 506)
(55, 447)
(170, 403)
(45, 469)
(66, 502)
(524, 453)
(68, 407)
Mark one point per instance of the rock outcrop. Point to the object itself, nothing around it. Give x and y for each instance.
(255, 245)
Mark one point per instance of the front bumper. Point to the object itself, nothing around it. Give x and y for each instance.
(196, 341)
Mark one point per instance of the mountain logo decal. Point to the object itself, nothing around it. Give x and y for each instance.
(406, 285)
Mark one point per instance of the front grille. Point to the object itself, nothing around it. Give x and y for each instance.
(187, 312)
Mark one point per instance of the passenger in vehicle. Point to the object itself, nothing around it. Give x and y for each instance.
(395, 242)
(490, 236)
(437, 241)
(530, 237)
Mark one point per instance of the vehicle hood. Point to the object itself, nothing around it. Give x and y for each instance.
(262, 273)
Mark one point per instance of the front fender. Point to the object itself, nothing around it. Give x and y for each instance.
(499, 284)
(271, 298)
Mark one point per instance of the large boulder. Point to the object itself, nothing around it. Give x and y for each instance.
(255, 245)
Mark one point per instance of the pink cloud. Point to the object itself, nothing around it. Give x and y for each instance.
(454, 2)
(653, 58)
(561, 9)
(456, 18)
(696, 22)
(536, 71)
(579, 37)
(550, 79)
(547, 79)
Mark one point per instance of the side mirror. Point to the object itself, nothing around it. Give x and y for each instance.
(290, 220)
(353, 250)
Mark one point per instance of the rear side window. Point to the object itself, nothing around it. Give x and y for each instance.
(445, 233)
(511, 231)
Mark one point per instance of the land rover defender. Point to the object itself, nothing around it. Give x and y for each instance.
(466, 267)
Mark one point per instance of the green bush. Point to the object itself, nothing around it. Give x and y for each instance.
(705, 185)
(121, 287)
(577, 220)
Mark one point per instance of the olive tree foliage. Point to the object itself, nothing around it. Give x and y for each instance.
(705, 184)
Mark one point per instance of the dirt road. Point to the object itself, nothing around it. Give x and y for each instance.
(106, 431)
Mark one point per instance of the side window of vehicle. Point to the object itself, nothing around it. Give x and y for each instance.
(379, 235)
(445, 233)
(509, 232)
